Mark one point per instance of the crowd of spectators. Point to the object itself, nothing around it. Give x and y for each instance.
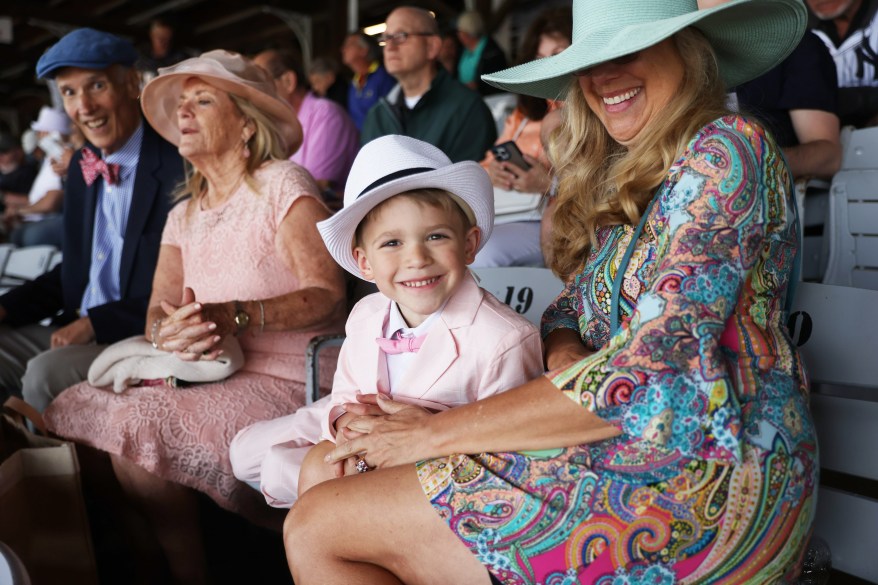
(144, 257)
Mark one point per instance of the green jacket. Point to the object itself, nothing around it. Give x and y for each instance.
(450, 116)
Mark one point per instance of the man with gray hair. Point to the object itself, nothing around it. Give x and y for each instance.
(481, 54)
(115, 206)
(427, 104)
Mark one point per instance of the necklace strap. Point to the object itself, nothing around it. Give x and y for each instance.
(623, 266)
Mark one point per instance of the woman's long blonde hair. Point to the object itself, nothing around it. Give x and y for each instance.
(266, 143)
(601, 182)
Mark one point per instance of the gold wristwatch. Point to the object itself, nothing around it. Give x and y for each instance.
(242, 319)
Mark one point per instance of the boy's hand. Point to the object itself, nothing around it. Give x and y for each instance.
(366, 405)
(399, 437)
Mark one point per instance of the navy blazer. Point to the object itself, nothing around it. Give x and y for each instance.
(159, 171)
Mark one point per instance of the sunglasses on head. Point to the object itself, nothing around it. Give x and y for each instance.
(623, 60)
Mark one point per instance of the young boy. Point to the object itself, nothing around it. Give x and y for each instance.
(411, 223)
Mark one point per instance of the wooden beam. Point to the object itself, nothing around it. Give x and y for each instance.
(67, 19)
(256, 40)
(146, 15)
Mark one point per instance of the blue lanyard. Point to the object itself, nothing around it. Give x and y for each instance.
(623, 266)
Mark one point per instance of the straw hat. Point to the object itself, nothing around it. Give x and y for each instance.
(51, 120)
(229, 72)
(749, 37)
(394, 164)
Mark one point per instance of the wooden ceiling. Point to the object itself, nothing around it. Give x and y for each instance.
(201, 25)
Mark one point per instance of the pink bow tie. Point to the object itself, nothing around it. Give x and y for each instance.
(398, 344)
(92, 166)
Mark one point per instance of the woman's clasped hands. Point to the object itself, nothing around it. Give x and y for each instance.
(384, 433)
(194, 331)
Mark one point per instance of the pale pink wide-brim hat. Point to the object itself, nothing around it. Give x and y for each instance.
(229, 72)
(394, 164)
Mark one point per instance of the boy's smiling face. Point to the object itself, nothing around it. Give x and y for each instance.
(416, 253)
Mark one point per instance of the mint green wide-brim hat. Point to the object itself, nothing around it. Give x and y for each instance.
(749, 37)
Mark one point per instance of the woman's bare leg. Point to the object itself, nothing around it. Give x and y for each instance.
(173, 511)
(314, 469)
(375, 528)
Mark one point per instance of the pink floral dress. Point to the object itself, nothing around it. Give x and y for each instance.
(183, 434)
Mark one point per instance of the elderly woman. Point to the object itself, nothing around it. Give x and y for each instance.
(672, 440)
(240, 256)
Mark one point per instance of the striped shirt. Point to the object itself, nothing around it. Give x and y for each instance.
(111, 220)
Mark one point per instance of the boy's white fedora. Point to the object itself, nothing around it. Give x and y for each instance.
(391, 165)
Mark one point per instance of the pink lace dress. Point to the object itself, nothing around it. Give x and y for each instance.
(183, 434)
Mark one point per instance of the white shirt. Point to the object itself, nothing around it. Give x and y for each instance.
(45, 181)
(398, 364)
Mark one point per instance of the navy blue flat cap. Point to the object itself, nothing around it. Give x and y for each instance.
(86, 48)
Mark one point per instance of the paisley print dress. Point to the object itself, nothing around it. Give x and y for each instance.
(713, 477)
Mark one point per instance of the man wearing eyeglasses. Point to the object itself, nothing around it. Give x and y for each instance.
(427, 103)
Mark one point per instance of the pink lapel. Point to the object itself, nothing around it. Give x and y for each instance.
(440, 350)
(375, 310)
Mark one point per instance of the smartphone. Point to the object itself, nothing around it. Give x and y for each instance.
(509, 152)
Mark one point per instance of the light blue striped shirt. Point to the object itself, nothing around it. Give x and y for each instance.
(111, 220)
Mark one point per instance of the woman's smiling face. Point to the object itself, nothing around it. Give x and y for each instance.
(630, 93)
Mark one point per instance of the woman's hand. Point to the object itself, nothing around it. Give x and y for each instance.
(563, 348)
(396, 437)
(343, 432)
(194, 331)
(500, 173)
(514, 178)
(534, 180)
(345, 466)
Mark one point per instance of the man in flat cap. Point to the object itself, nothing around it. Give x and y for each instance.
(115, 206)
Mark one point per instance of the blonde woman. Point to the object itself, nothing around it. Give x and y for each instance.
(671, 442)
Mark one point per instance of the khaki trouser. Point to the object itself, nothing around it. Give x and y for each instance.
(28, 368)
